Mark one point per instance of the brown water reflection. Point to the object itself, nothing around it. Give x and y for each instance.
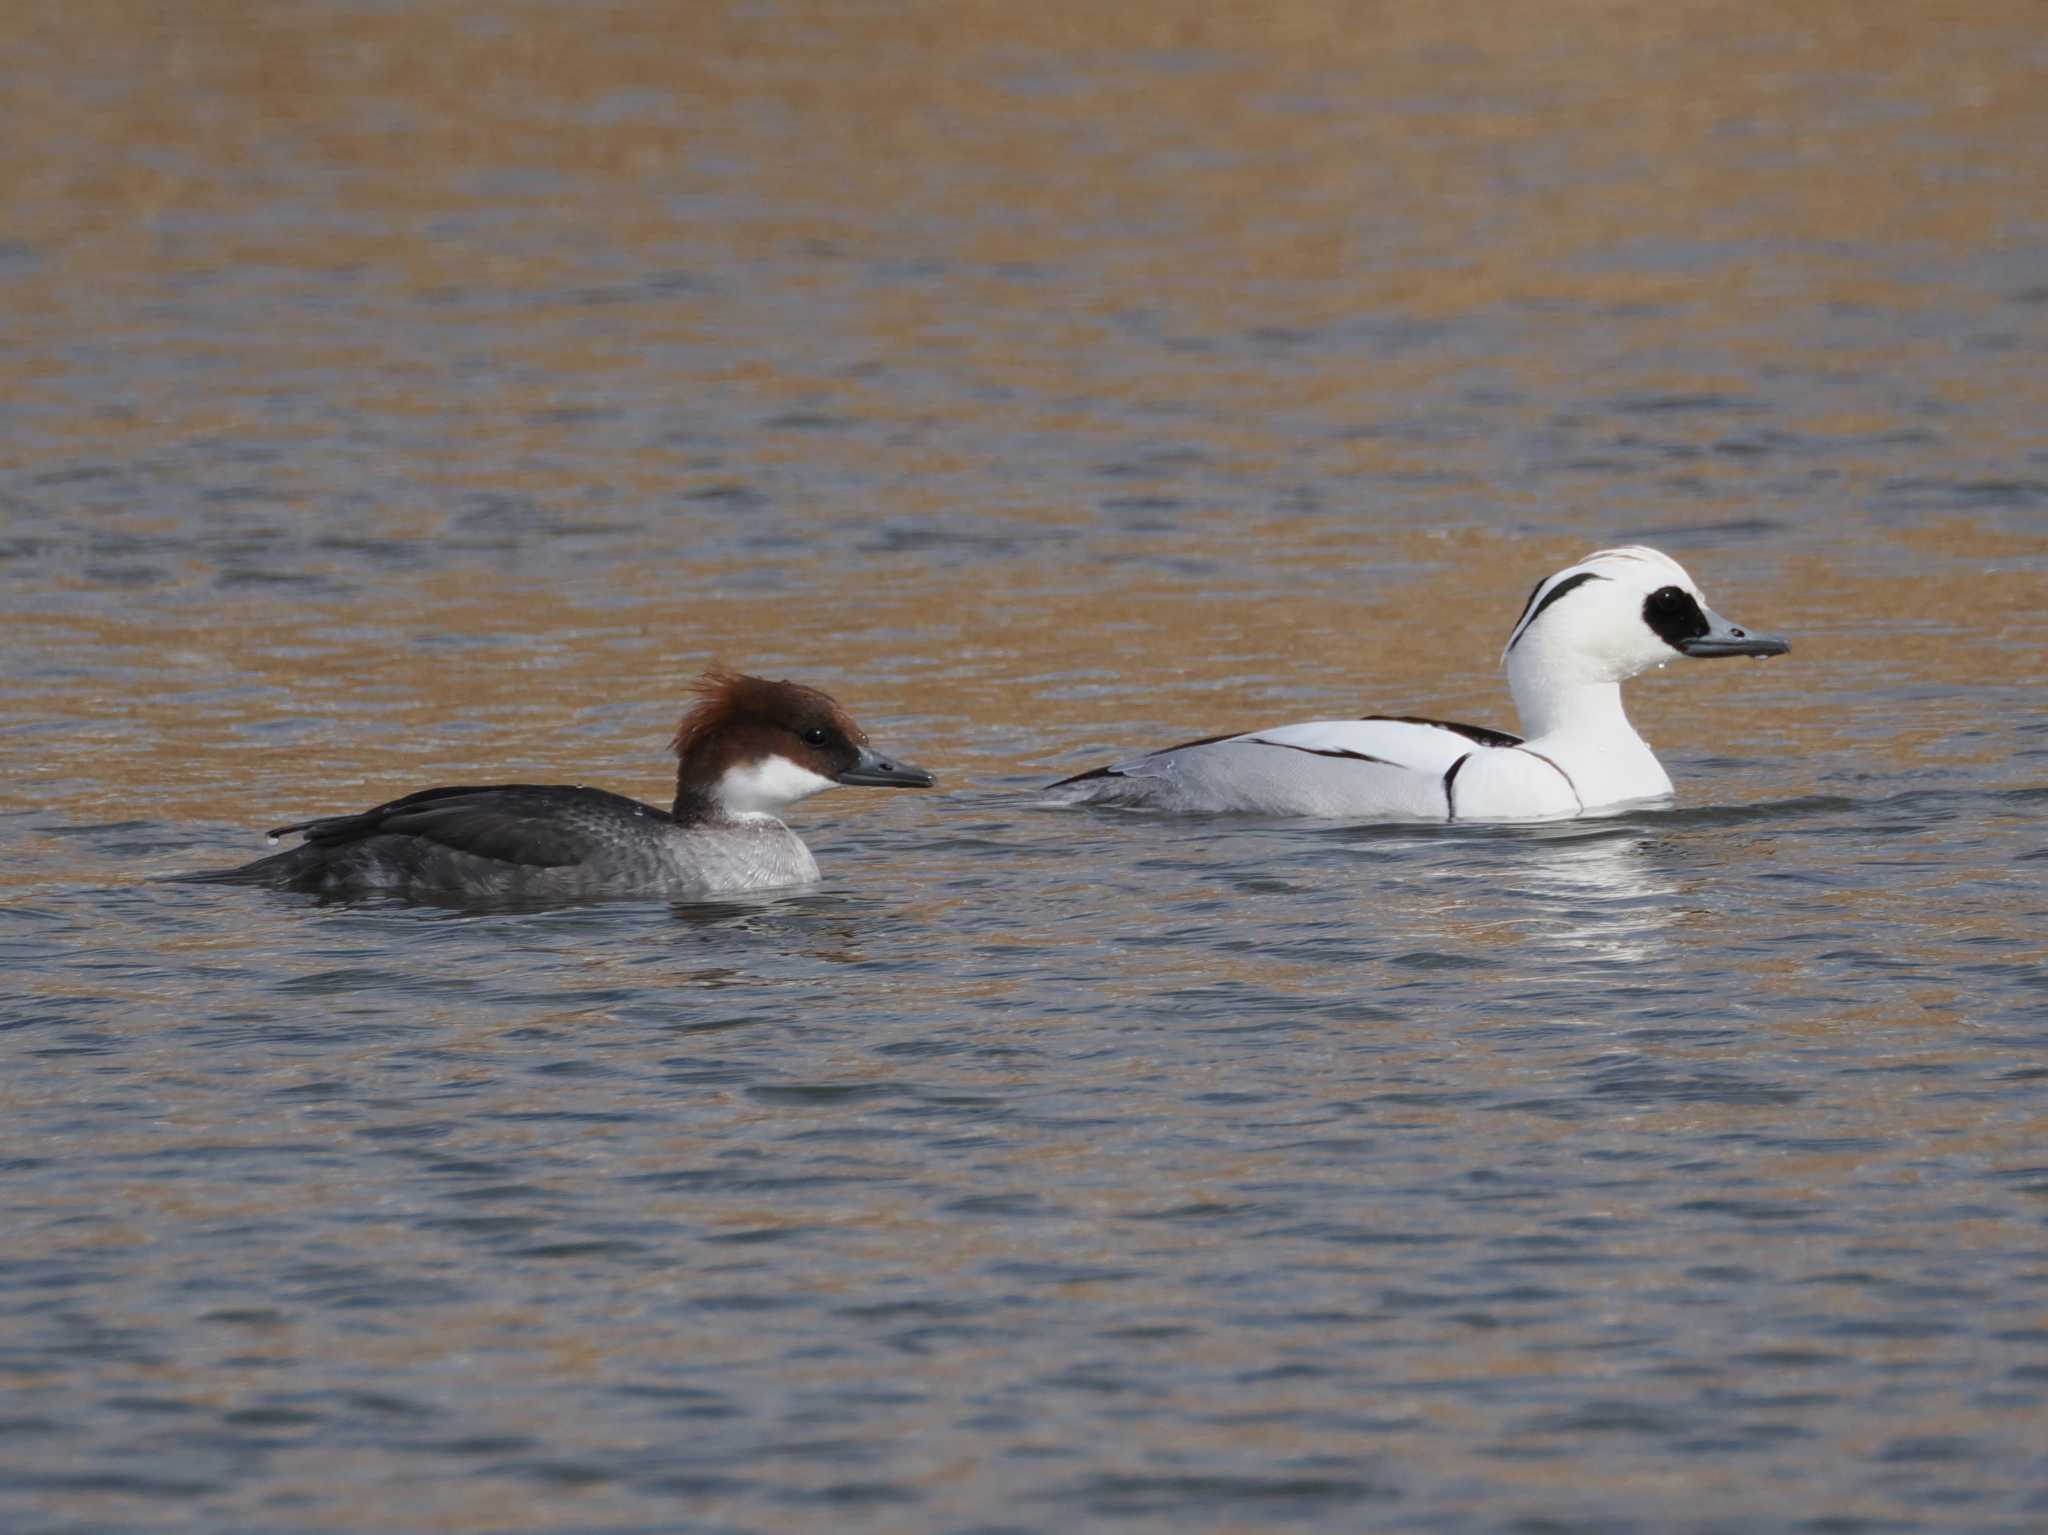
(987, 242)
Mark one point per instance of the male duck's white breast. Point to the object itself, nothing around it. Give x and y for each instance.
(1508, 783)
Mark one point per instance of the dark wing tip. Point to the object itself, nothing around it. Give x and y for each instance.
(1478, 735)
(1101, 772)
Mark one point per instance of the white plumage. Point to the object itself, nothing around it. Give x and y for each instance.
(1583, 632)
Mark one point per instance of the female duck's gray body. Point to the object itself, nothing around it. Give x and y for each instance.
(748, 748)
(533, 841)
(1583, 632)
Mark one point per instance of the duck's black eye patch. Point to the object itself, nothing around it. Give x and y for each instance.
(1674, 614)
(817, 735)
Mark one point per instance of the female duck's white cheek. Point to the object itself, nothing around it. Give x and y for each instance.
(756, 788)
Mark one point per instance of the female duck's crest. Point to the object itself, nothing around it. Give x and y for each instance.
(727, 699)
(751, 746)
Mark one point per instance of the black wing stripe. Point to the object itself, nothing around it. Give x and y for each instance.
(1256, 740)
(1561, 773)
(1324, 751)
(1451, 777)
(1101, 772)
(1110, 771)
(1478, 735)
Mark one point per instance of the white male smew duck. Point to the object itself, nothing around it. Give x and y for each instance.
(1582, 633)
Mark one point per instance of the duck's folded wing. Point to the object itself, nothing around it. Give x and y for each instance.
(1422, 745)
(1418, 745)
(1380, 766)
(524, 824)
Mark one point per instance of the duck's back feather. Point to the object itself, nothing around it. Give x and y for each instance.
(526, 840)
(532, 825)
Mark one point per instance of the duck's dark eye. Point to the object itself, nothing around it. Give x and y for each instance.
(817, 735)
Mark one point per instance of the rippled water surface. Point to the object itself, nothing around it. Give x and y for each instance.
(393, 396)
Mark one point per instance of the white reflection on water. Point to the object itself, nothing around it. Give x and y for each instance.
(1606, 895)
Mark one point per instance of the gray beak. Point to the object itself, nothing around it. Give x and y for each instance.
(1724, 639)
(871, 770)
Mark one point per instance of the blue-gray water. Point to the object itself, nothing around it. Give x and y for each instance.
(403, 398)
